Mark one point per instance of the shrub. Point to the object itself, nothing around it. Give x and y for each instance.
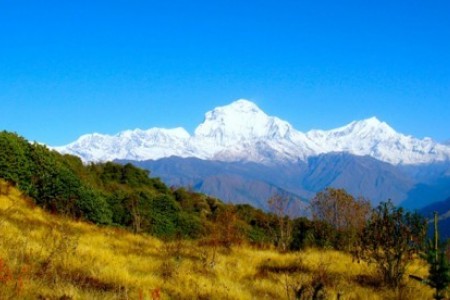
(94, 207)
(390, 239)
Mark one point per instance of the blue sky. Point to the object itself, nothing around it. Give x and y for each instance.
(74, 67)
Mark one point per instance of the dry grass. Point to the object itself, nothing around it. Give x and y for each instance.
(43, 256)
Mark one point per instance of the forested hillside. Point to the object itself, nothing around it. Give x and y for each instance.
(126, 196)
(107, 193)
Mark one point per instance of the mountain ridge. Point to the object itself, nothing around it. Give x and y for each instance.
(241, 131)
(359, 175)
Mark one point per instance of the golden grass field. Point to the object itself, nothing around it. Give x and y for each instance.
(43, 256)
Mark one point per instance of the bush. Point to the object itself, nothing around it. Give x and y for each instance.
(164, 216)
(94, 207)
(390, 239)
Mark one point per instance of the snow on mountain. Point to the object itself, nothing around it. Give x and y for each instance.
(377, 139)
(241, 131)
(241, 120)
(135, 144)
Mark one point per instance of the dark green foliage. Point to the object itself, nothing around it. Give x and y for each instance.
(117, 201)
(260, 225)
(163, 214)
(15, 164)
(324, 235)
(47, 177)
(105, 193)
(189, 226)
(319, 234)
(439, 269)
(390, 239)
(302, 234)
(94, 207)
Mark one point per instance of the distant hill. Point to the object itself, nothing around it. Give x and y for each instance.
(443, 210)
(432, 184)
(253, 183)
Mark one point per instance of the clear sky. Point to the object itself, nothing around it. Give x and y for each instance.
(73, 67)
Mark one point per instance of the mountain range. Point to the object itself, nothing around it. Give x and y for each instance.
(241, 154)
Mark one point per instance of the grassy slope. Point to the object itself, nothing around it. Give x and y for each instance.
(47, 256)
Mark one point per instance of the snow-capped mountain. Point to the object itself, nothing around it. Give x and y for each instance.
(377, 139)
(241, 131)
(131, 144)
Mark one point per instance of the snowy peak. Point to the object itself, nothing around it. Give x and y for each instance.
(377, 139)
(241, 120)
(365, 129)
(241, 131)
(130, 144)
(372, 126)
(240, 106)
(156, 134)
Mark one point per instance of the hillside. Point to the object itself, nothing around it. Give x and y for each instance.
(107, 194)
(443, 210)
(246, 182)
(47, 256)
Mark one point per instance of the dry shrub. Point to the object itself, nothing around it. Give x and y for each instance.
(60, 242)
(322, 275)
(281, 267)
(81, 279)
(13, 280)
(368, 280)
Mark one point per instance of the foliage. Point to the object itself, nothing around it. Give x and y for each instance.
(106, 193)
(47, 177)
(391, 238)
(343, 212)
(438, 262)
(14, 160)
(47, 256)
(279, 205)
(94, 207)
(260, 224)
(126, 196)
(302, 234)
(439, 269)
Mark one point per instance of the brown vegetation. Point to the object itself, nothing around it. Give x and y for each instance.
(44, 256)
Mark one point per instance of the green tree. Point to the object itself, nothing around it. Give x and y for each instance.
(439, 267)
(94, 207)
(302, 234)
(164, 216)
(15, 164)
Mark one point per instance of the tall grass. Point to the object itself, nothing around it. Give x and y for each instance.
(51, 257)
